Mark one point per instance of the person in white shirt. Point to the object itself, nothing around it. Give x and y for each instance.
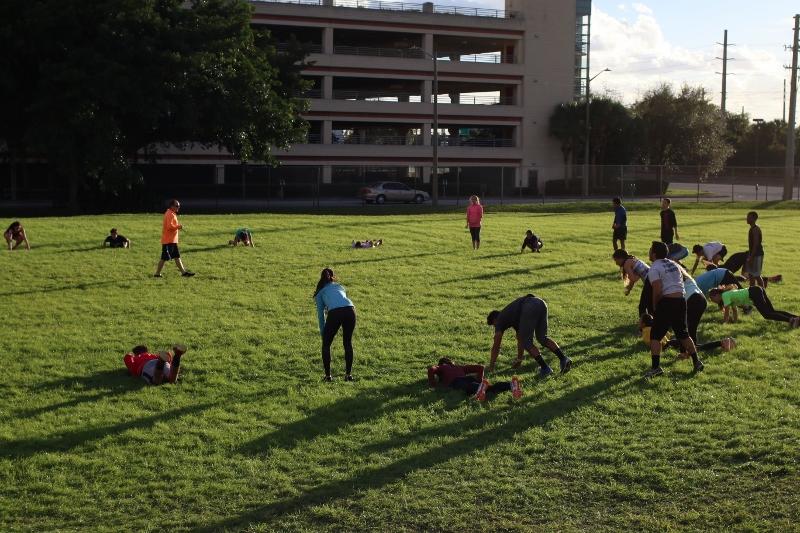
(713, 252)
(669, 305)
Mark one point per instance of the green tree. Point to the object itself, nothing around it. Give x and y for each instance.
(94, 86)
(683, 128)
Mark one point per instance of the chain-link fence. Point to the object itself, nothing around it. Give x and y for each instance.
(233, 187)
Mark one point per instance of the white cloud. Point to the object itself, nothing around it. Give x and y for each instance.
(641, 57)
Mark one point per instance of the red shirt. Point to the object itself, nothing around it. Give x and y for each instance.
(448, 373)
(474, 215)
(135, 363)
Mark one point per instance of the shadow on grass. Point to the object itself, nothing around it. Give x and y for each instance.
(386, 258)
(533, 269)
(472, 435)
(363, 407)
(66, 441)
(89, 388)
(77, 286)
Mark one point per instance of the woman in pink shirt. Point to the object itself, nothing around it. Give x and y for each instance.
(474, 216)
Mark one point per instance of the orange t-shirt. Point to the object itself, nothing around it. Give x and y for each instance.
(169, 231)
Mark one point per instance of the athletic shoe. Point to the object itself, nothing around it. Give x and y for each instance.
(728, 344)
(157, 276)
(516, 389)
(545, 371)
(777, 279)
(795, 322)
(566, 364)
(747, 309)
(327, 379)
(653, 372)
(518, 362)
(480, 395)
(348, 377)
(187, 274)
(699, 366)
(165, 356)
(179, 349)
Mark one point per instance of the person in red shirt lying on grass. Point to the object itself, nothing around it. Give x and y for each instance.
(155, 368)
(469, 378)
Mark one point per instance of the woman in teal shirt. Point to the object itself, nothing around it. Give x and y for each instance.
(331, 299)
(756, 296)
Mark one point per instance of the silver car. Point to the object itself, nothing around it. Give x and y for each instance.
(392, 191)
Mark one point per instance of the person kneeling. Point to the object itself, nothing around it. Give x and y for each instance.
(155, 369)
(469, 378)
(532, 241)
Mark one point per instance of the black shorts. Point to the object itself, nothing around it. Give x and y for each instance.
(670, 313)
(476, 233)
(621, 233)
(170, 251)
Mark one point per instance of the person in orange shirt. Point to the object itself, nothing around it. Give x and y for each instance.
(169, 240)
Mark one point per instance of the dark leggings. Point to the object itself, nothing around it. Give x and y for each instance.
(344, 317)
(470, 384)
(761, 302)
(646, 298)
(734, 263)
(695, 307)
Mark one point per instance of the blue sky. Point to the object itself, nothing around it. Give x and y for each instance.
(646, 43)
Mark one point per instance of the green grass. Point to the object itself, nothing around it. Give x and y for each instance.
(250, 439)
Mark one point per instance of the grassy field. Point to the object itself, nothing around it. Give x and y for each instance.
(251, 439)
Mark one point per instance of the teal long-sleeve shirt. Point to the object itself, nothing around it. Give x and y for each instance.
(331, 296)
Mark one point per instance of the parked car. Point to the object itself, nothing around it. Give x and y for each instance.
(392, 191)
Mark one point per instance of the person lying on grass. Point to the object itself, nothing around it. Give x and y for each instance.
(244, 236)
(470, 379)
(728, 299)
(155, 369)
(369, 243)
(532, 241)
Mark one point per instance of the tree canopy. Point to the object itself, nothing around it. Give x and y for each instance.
(93, 86)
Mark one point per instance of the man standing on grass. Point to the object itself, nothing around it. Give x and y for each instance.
(169, 240)
(620, 225)
(527, 315)
(755, 252)
(669, 304)
(669, 224)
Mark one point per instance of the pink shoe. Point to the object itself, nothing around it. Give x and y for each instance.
(516, 389)
(481, 394)
(728, 344)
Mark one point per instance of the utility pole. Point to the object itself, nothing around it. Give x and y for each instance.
(725, 60)
(784, 99)
(788, 173)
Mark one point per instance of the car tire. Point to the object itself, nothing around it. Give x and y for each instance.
(419, 199)
(380, 199)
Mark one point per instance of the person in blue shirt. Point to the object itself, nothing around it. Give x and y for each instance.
(716, 277)
(334, 311)
(620, 225)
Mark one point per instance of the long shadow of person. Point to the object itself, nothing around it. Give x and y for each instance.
(478, 432)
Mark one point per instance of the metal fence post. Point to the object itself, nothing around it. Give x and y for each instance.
(698, 186)
(458, 186)
(502, 183)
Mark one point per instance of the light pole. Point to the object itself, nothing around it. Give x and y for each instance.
(588, 132)
(758, 123)
(435, 139)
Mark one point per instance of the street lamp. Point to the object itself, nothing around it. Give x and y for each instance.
(588, 131)
(758, 122)
(435, 140)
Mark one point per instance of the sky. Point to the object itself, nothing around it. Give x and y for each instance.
(647, 43)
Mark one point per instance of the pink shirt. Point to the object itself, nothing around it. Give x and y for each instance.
(474, 215)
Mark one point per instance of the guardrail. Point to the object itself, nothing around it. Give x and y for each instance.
(371, 97)
(404, 6)
(385, 140)
(407, 53)
(313, 48)
(445, 140)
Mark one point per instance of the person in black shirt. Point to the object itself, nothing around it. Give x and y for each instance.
(115, 240)
(669, 224)
(531, 241)
(528, 316)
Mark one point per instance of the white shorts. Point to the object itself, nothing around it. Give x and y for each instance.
(149, 371)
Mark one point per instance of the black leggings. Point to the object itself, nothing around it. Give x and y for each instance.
(344, 317)
(734, 263)
(646, 298)
(470, 384)
(695, 307)
(761, 302)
